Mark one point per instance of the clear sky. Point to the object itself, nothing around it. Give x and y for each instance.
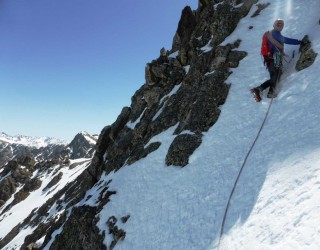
(68, 66)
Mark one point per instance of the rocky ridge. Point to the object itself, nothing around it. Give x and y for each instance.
(185, 86)
(23, 167)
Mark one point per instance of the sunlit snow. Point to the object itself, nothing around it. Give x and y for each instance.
(275, 205)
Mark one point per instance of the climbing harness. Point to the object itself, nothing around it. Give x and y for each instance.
(277, 60)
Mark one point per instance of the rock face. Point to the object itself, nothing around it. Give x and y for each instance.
(19, 162)
(22, 168)
(82, 146)
(80, 223)
(185, 87)
(181, 148)
(307, 55)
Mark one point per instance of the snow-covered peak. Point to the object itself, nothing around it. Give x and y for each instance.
(30, 141)
(91, 139)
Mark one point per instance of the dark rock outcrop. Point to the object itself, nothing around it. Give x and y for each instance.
(7, 188)
(260, 7)
(16, 175)
(184, 32)
(307, 56)
(53, 182)
(181, 148)
(82, 224)
(185, 87)
(82, 146)
(185, 90)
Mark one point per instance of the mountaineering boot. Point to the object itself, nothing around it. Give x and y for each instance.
(256, 94)
(270, 93)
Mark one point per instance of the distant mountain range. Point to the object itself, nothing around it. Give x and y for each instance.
(30, 141)
(45, 148)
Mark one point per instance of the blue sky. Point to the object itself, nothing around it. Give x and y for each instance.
(68, 66)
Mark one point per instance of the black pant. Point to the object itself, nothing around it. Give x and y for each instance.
(274, 77)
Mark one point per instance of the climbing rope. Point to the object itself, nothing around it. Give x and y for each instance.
(240, 171)
(246, 158)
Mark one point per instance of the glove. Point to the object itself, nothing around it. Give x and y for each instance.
(305, 44)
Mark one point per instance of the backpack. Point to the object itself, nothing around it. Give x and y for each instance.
(265, 49)
(266, 52)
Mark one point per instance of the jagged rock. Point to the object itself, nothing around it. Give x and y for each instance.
(29, 186)
(220, 56)
(163, 72)
(95, 169)
(29, 162)
(45, 165)
(203, 112)
(164, 52)
(6, 154)
(202, 4)
(141, 152)
(54, 181)
(117, 234)
(82, 146)
(9, 236)
(116, 156)
(247, 4)
(186, 26)
(307, 56)
(70, 195)
(138, 104)
(32, 246)
(7, 188)
(21, 174)
(234, 57)
(103, 140)
(152, 96)
(181, 148)
(260, 7)
(121, 121)
(40, 231)
(106, 139)
(124, 219)
(226, 19)
(150, 79)
(10, 166)
(18, 197)
(80, 231)
(32, 185)
(183, 89)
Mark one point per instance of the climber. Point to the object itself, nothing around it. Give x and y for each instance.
(272, 50)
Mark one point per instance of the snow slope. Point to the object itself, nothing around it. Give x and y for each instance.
(276, 201)
(36, 199)
(275, 204)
